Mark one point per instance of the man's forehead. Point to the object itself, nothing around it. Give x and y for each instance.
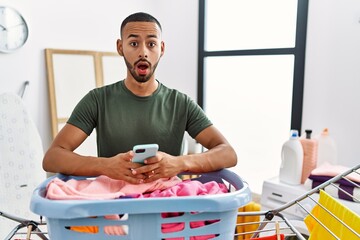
(141, 28)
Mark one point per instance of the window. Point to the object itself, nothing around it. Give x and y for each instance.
(250, 83)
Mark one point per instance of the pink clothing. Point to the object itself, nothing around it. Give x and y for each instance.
(176, 227)
(102, 188)
(189, 188)
(330, 170)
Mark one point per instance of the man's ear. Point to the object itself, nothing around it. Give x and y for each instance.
(119, 47)
(162, 48)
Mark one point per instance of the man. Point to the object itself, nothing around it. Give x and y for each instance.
(138, 110)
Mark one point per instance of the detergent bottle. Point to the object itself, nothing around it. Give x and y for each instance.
(327, 149)
(310, 148)
(292, 155)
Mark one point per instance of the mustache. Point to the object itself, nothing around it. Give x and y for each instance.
(142, 60)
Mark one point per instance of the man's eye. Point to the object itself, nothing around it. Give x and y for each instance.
(133, 44)
(152, 44)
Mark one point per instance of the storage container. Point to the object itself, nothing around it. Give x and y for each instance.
(310, 148)
(327, 149)
(142, 217)
(292, 156)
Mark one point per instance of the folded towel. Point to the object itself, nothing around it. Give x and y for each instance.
(343, 213)
(342, 181)
(335, 192)
(331, 170)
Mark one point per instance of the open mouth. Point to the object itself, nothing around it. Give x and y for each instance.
(142, 68)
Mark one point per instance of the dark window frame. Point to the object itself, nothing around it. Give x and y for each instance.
(298, 51)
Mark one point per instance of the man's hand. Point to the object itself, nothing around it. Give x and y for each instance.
(121, 167)
(162, 165)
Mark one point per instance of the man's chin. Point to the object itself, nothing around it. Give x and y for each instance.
(141, 79)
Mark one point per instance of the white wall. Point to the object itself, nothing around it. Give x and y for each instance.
(332, 74)
(94, 25)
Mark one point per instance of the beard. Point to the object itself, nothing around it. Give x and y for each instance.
(138, 78)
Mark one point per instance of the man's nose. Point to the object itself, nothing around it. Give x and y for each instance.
(143, 51)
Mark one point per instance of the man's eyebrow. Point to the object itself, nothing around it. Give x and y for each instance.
(152, 36)
(133, 36)
(148, 36)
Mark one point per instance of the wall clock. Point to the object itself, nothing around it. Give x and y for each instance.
(13, 30)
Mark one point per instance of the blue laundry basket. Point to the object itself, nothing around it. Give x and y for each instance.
(142, 218)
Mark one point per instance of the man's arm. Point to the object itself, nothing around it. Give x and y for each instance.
(60, 158)
(220, 153)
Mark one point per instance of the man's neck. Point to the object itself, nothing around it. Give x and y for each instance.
(141, 89)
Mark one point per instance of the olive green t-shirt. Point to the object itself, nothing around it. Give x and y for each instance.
(122, 119)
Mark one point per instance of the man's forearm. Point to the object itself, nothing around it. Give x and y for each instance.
(59, 160)
(221, 156)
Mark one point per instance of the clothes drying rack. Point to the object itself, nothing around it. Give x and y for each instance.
(275, 224)
(31, 226)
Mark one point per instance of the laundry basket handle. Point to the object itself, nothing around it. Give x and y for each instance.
(220, 175)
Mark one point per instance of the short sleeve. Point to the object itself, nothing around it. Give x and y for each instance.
(197, 119)
(85, 113)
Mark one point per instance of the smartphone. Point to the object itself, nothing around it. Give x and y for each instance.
(144, 151)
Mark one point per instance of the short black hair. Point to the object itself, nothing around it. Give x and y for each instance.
(139, 17)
